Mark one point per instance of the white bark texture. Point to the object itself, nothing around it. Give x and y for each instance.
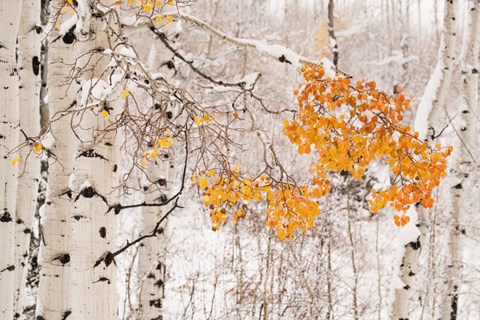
(29, 42)
(158, 187)
(430, 115)
(54, 255)
(93, 278)
(464, 159)
(9, 117)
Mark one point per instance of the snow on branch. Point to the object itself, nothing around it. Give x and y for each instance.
(282, 53)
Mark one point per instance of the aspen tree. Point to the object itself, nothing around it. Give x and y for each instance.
(93, 226)
(29, 42)
(464, 160)
(429, 121)
(9, 135)
(54, 255)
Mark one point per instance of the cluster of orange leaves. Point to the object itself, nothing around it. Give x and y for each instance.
(346, 127)
(351, 126)
(288, 207)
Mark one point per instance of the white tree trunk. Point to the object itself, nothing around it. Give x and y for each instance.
(93, 278)
(29, 92)
(9, 118)
(158, 187)
(428, 122)
(54, 256)
(463, 159)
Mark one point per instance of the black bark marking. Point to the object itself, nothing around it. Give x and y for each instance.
(161, 182)
(117, 209)
(157, 303)
(64, 258)
(89, 193)
(6, 217)
(40, 318)
(70, 36)
(169, 115)
(115, 167)
(36, 65)
(458, 186)
(453, 313)
(159, 266)
(19, 221)
(283, 59)
(78, 217)
(157, 106)
(407, 287)
(159, 283)
(66, 314)
(107, 258)
(103, 279)
(163, 198)
(90, 153)
(415, 245)
(8, 268)
(103, 232)
(150, 276)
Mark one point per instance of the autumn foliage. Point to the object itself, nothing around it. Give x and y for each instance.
(345, 127)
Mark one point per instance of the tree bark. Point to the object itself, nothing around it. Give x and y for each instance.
(428, 122)
(93, 227)
(9, 118)
(54, 255)
(332, 40)
(29, 42)
(463, 160)
(159, 182)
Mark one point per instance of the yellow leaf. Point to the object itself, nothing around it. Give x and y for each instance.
(206, 199)
(203, 183)
(159, 19)
(198, 121)
(170, 3)
(154, 154)
(37, 148)
(15, 160)
(147, 8)
(57, 25)
(165, 142)
(70, 2)
(236, 169)
(169, 18)
(105, 114)
(144, 162)
(124, 94)
(211, 172)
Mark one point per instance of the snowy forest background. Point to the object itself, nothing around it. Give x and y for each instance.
(70, 222)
